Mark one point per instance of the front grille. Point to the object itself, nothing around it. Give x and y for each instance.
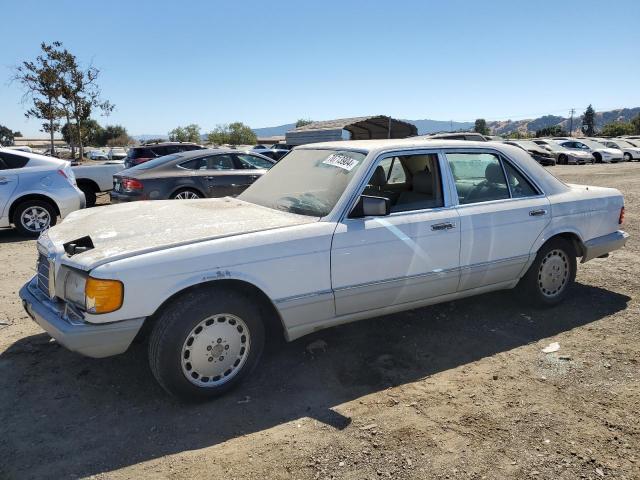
(42, 268)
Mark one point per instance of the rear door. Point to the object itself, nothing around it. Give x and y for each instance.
(223, 177)
(502, 213)
(9, 168)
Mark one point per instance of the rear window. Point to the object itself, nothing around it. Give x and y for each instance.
(135, 153)
(12, 161)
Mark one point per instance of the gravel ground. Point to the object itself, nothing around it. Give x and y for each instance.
(458, 390)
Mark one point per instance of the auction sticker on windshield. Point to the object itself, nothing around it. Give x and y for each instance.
(341, 161)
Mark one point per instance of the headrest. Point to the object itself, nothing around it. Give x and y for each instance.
(379, 178)
(423, 182)
(493, 173)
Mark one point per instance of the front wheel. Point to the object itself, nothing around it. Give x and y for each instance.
(205, 343)
(550, 275)
(627, 157)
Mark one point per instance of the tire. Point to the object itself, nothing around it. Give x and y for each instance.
(32, 217)
(205, 343)
(628, 157)
(551, 274)
(562, 160)
(89, 194)
(185, 194)
(598, 157)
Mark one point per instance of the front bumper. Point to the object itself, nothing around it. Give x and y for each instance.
(92, 340)
(596, 247)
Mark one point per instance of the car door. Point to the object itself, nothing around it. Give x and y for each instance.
(223, 177)
(8, 184)
(406, 257)
(500, 219)
(251, 167)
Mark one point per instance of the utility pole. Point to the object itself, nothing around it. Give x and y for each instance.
(573, 110)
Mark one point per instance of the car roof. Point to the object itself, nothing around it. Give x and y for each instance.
(163, 144)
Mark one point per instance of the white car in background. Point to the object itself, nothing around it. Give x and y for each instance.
(630, 152)
(35, 190)
(97, 155)
(600, 153)
(334, 232)
(563, 155)
(117, 153)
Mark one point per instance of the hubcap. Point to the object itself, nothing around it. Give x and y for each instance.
(35, 219)
(186, 195)
(215, 350)
(553, 273)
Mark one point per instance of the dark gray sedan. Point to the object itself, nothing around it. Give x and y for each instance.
(190, 175)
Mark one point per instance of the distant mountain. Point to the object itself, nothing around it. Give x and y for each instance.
(424, 126)
(531, 125)
(273, 131)
(433, 126)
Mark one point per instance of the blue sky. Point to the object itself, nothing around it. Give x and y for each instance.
(268, 63)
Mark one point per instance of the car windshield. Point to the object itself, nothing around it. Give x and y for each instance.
(156, 162)
(306, 181)
(529, 145)
(622, 144)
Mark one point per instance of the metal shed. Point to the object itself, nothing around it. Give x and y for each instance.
(357, 128)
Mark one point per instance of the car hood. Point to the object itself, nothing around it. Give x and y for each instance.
(125, 230)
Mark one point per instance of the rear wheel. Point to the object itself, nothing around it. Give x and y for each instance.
(33, 217)
(89, 194)
(206, 343)
(598, 157)
(627, 157)
(562, 160)
(186, 194)
(550, 275)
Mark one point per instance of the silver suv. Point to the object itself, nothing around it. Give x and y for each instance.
(35, 190)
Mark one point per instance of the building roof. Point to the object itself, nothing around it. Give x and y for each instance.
(363, 128)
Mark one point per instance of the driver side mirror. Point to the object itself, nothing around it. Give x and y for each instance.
(369, 206)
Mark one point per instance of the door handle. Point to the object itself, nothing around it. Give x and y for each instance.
(443, 226)
(537, 213)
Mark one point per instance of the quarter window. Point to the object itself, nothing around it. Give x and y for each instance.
(195, 164)
(13, 161)
(478, 177)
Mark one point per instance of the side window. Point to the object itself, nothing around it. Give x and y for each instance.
(410, 182)
(253, 162)
(13, 161)
(520, 186)
(478, 177)
(169, 149)
(221, 162)
(195, 164)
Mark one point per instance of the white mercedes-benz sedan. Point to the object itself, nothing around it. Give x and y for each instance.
(334, 232)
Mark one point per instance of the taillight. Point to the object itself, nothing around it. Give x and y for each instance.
(621, 217)
(131, 184)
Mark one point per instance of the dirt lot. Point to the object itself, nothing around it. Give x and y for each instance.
(459, 390)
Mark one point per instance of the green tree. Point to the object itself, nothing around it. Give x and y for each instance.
(589, 121)
(481, 127)
(303, 121)
(554, 131)
(120, 141)
(92, 133)
(236, 133)
(190, 133)
(111, 132)
(7, 135)
(43, 87)
(635, 122)
(616, 129)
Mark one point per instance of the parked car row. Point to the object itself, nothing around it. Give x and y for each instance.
(333, 233)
